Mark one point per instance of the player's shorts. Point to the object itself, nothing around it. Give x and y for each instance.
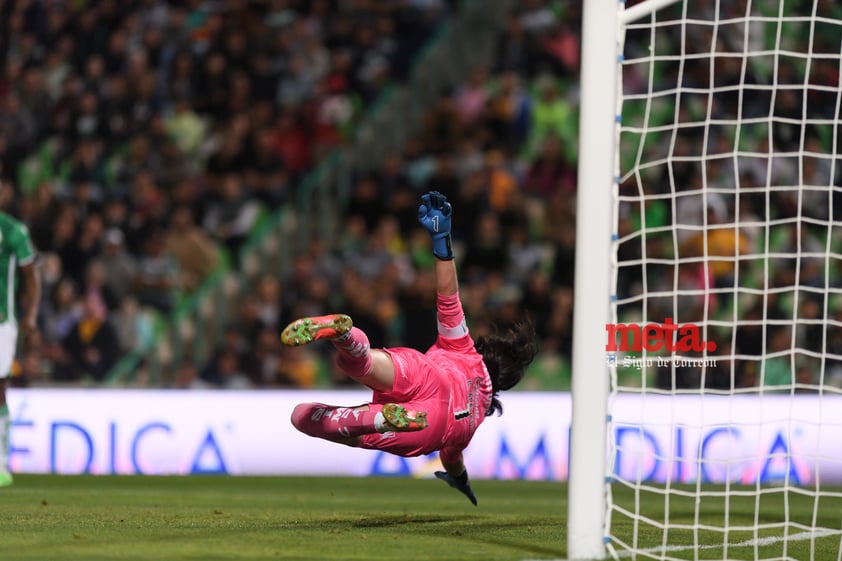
(419, 388)
(8, 346)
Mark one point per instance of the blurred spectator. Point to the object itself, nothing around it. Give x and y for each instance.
(367, 202)
(78, 252)
(268, 299)
(263, 363)
(187, 377)
(720, 240)
(549, 172)
(472, 96)
(502, 187)
(418, 310)
(134, 325)
(487, 252)
(30, 369)
(296, 368)
(91, 347)
(443, 125)
(194, 251)
(120, 266)
(363, 302)
(231, 218)
(265, 173)
(508, 114)
(186, 127)
(225, 371)
(523, 255)
(552, 115)
(96, 283)
(62, 311)
(157, 275)
(777, 369)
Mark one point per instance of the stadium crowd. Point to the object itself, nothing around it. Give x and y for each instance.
(766, 292)
(145, 138)
(502, 148)
(145, 144)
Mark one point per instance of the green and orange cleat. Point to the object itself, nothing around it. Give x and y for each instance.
(400, 420)
(306, 330)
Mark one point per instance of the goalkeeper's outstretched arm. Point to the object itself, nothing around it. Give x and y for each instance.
(452, 462)
(447, 283)
(435, 214)
(455, 473)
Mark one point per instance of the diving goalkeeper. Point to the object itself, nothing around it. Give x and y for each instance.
(422, 402)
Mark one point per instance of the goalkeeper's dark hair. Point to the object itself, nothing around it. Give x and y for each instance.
(506, 353)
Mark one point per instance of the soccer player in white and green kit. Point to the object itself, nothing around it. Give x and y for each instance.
(16, 254)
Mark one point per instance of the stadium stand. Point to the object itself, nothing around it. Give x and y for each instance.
(169, 140)
(147, 139)
(477, 142)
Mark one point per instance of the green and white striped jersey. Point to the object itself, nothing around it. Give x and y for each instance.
(16, 250)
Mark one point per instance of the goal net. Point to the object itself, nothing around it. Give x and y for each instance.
(724, 338)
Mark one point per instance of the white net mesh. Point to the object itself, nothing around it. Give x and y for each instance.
(726, 353)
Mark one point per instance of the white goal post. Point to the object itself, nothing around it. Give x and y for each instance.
(707, 350)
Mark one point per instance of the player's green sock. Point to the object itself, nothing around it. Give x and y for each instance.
(5, 421)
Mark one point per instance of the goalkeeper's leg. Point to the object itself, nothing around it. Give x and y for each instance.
(355, 358)
(347, 424)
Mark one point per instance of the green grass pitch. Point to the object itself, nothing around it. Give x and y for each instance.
(55, 518)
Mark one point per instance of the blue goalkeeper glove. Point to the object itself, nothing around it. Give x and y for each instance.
(459, 483)
(434, 214)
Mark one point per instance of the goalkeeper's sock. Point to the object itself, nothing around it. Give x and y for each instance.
(5, 423)
(331, 422)
(354, 356)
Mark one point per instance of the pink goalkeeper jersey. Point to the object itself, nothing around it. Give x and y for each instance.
(470, 386)
(450, 382)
